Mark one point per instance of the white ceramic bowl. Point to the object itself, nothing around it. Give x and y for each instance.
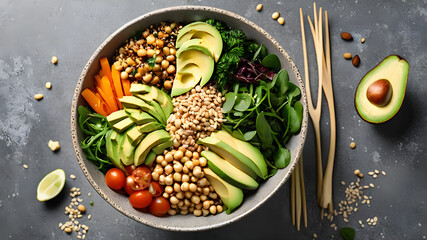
(185, 14)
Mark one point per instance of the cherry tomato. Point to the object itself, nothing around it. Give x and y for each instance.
(159, 207)
(128, 189)
(140, 199)
(140, 178)
(115, 178)
(155, 189)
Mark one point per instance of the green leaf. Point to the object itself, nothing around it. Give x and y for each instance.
(249, 135)
(281, 157)
(243, 101)
(293, 91)
(291, 116)
(230, 99)
(271, 61)
(237, 114)
(258, 94)
(152, 61)
(347, 233)
(281, 82)
(299, 111)
(238, 134)
(261, 52)
(263, 130)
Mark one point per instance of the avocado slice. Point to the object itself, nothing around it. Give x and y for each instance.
(112, 153)
(148, 97)
(161, 97)
(150, 127)
(205, 32)
(152, 139)
(161, 147)
(236, 158)
(186, 79)
(246, 149)
(139, 88)
(200, 57)
(159, 111)
(230, 195)
(134, 102)
(394, 69)
(151, 156)
(127, 151)
(135, 136)
(228, 172)
(116, 116)
(123, 125)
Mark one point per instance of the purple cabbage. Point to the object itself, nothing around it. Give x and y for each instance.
(250, 72)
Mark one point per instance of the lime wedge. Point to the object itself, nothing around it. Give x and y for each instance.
(51, 185)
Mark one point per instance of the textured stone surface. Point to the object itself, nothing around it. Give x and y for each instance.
(33, 32)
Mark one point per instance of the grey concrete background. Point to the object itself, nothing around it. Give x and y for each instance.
(31, 32)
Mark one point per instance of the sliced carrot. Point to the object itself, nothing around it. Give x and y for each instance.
(117, 88)
(103, 103)
(104, 97)
(101, 73)
(97, 104)
(126, 87)
(117, 82)
(103, 85)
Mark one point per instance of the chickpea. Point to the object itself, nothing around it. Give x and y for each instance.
(169, 180)
(155, 176)
(168, 189)
(203, 197)
(172, 51)
(206, 191)
(178, 155)
(188, 194)
(180, 197)
(219, 208)
(177, 167)
(138, 76)
(150, 39)
(150, 53)
(167, 84)
(194, 179)
(168, 169)
(128, 70)
(162, 179)
(155, 80)
(158, 59)
(124, 75)
(212, 209)
(164, 64)
(168, 29)
(170, 58)
(159, 43)
(159, 158)
(173, 200)
(196, 155)
(196, 162)
(147, 77)
(145, 34)
(177, 187)
(165, 195)
(130, 61)
(188, 153)
(213, 195)
(185, 159)
(203, 161)
(197, 212)
(195, 199)
(164, 163)
(206, 204)
(184, 186)
(197, 172)
(156, 67)
(142, 52)
(189, 165)
(185, 178)
(166, 51)
(177, 177)
(193, 187)
(168, 157)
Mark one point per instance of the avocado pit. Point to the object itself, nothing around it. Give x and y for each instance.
(379, 92)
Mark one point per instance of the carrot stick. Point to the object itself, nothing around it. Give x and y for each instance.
(97, 104)
(126, 87)
(103, 84)
(117, 89)
(103, 103)
(117, 82)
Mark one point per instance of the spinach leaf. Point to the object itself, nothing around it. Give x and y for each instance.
(282, 157)
(230, 99)
(263, 130)
(238, 134)
(291, 116)
(282, 80)
(243, 101)
(249, 135)
(293, 91)
(271, 61)
(347, 233)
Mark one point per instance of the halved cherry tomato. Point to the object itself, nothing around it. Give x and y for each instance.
(128, 189)
(140, 178)
(155, 189)
(159, 207)
(140, 199)
(129, 169)
(115, 179)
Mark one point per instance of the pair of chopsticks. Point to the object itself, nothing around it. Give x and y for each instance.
(298, 201)
(323, 57)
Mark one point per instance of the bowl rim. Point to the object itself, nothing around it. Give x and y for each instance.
(78, 88)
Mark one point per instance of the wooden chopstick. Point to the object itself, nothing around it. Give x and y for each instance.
(304, 203)
(298, 199)
(293, 198)
(315, 113)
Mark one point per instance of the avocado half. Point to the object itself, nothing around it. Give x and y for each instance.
(393, 71)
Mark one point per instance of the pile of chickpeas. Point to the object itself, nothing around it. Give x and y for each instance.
(155, 43)
(181, 173)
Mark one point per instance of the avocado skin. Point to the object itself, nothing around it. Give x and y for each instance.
(398, 84)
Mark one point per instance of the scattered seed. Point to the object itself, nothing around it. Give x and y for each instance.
(376, 171)
(38, 96)
(281, 20)
(375, 176)
(89, 216)
(360, 175)
(88, 194)
(54, 145)
(363, 40)
(356, 172)
(48, 85)
(314, 235)
(25, 166)
(370, 173)
(356, 61)
(81, 208)
(72, 176)
(371, 185)
(54, 60)
(383, 173)
(345, 220)
(352, 145)
(343, 183)
(347, 55)
(275, 15)
(346, 36)
(259, 7)
(68, 230)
